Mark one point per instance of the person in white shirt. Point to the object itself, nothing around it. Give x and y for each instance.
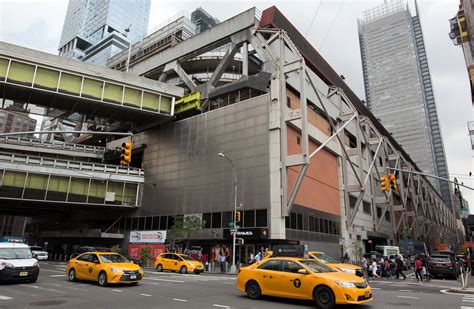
(374, 269)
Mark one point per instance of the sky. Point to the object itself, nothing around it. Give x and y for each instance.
(37, 24)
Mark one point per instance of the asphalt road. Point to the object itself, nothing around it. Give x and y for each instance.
(170, 290)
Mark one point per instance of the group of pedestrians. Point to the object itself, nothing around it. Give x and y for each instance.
(386, 268)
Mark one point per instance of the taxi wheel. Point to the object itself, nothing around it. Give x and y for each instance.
(324, 297)
(103, 279)
(253, 290)
(72, 275)
(159, 268)
(183, 270)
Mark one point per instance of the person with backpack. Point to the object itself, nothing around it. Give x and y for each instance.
(399, 268)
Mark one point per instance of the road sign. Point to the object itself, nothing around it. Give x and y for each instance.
(463, 213)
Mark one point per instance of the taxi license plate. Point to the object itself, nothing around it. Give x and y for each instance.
(133, 276)
(367, 295)
(24, 273)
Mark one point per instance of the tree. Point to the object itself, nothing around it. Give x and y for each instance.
(184, 227)
(145, 255)
(115, 249)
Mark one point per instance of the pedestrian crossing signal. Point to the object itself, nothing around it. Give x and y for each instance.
(126, 157)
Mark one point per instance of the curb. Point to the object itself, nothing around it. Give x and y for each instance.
(461, 291)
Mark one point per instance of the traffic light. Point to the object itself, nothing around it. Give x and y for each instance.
(126, 156)
(393, 181)
(237, 216)
(384, 183)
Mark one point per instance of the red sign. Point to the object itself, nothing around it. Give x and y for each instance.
(134, 250)
(442, 247)
(469, 244)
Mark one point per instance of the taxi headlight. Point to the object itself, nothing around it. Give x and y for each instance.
(346, 284)
(348, 270)
(116, 270)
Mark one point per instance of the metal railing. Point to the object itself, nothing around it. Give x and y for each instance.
(66, 164)
(51, 144)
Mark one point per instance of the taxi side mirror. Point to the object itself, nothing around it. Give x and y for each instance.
(302, 271)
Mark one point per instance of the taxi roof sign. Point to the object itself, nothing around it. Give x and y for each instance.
(288, 251)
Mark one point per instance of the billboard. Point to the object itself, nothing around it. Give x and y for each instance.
(135, 250)
(147, 237)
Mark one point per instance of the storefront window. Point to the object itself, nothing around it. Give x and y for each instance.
(261, 218)
(249, 218)
(227, 219)
(163, 222)
(293, 221)
(156, 223)
(216, 220)
(207, 217)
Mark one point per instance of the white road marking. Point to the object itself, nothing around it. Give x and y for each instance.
(179, 299)
(154, 283)
(468, 301)
(41, 288)
(167, 280)
(221, 306)
(406, 290)
(145, 294)
(115, 290)
(191, 275)
(411, 297)
(375, 288)
(465, 307)
(229, 283)
(55, 271)
(58, 275)
(3, 297)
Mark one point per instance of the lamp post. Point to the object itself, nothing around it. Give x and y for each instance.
(129, 47)
(233, 268)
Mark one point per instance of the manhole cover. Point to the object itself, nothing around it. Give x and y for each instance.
(46, 303)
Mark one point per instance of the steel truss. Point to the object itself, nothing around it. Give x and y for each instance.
(415, 208)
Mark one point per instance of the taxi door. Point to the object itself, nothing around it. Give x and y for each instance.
(174, 262)
(94, 267)
(268, 276)
(294, 284)
(80, 265)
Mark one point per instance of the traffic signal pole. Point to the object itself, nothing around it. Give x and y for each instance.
(429, 175)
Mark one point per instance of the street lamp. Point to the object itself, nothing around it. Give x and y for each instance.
(129, 47)
(233, 268)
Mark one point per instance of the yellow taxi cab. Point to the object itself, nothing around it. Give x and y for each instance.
(103, 267)
(302, 278)
(178, 262)
(348, 268)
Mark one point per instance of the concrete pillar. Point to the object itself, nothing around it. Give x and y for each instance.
(245, 59)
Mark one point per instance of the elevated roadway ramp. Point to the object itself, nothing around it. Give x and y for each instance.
(51, 81)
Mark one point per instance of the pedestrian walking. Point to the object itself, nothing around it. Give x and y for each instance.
(258, 257)
(386, 264)
(418, 269)
(374, 269)
(399, 268)
(365, 267)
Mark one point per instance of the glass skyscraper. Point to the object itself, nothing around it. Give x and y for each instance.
(95, 30)
(398, 86)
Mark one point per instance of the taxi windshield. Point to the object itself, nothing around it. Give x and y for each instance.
(186, 257)
(325, 258)
(15, 253)
(316, 266)
(113, 258)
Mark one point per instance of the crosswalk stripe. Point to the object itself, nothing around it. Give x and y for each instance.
(465, 307)
(3, 297)
(167, 280)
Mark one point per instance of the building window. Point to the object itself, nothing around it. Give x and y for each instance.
(366, 207)
(134, 224)
(288, 102)
(207, 218)
(293, 221)
(156, 223)
(379, 212)
(287, 222)
(170, 222)
(298, 140)
(316, 225)
(387, 216)
(330, 227)
(326, 226)
(261, 218)
(249, 218)
(148, 223)
(352, 201)
(216, 220)
(300, 222)
(227, 219)
(163, 222)
(311, 224)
